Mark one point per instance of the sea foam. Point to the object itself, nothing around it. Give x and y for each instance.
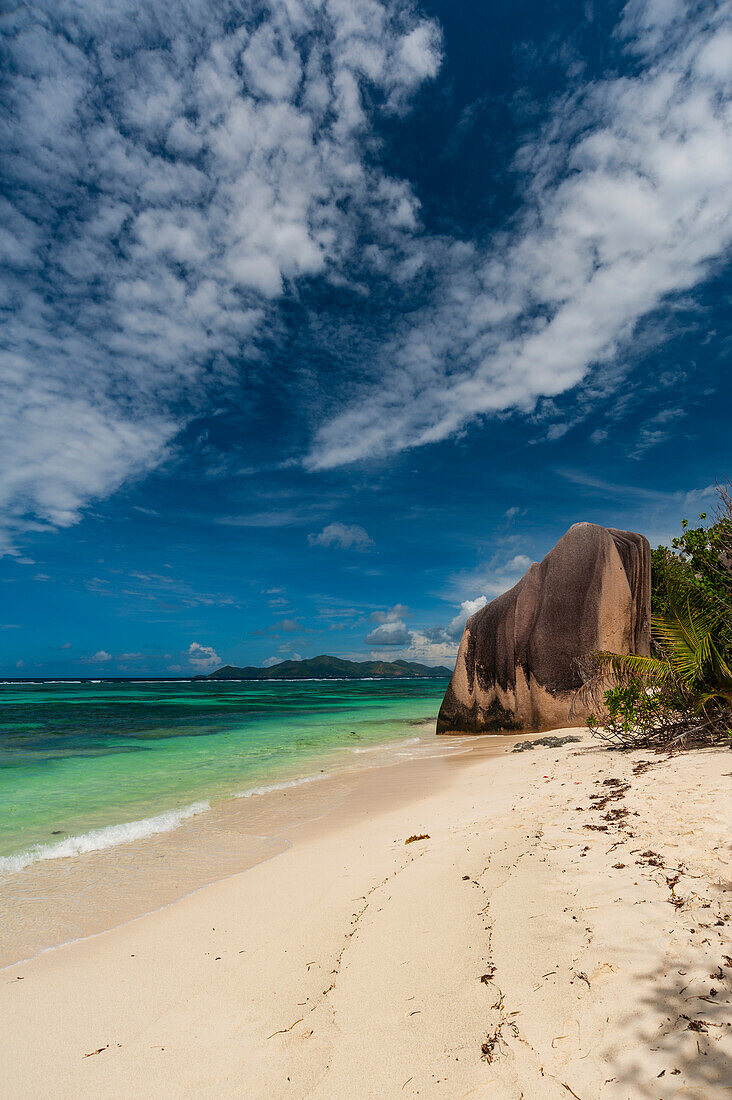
(388, 745)
(281, 786)
(98, 839)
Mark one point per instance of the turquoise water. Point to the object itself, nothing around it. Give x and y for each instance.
(76, 758)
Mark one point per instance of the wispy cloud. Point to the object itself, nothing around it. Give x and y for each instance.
(487, 580)
(289, 517)
(626, 203)
(655, 512)
(159, 589)
(169, 170)
(637, 493)
(656, 430)
(347, 537)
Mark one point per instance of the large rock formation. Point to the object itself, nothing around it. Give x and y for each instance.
(516, 667)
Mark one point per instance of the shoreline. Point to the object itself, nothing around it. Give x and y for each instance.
(246, 826)
(87, 768)
(562, 928)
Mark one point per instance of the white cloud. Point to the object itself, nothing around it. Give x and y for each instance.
(491, 580)
(656, 430)
(467, 608)
(388, 634)
(171, 169)
(626, 204)
(20, 663)
(203, 657)
(430, 647)
(285, 655)
(100, 657)
(391, 615)
(339, 534)
(424, 648)
(439, 644)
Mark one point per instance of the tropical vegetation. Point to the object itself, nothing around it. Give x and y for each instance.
(681, 694)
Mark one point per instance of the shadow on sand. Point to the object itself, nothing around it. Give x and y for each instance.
(691, 1051)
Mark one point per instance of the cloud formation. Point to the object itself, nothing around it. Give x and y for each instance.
(625, 204)
(467, 608)
(390, 633)
(346, 537)
(203, 657)
(169, 171)
(391, 615)
(172, 172)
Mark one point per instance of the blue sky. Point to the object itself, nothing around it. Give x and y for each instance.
(322, 319)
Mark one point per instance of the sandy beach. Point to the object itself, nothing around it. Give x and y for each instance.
(561, 931)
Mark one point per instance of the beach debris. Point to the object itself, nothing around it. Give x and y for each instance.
(566, 1086)
(547, 742)
(492, 1044)
(615, 815)
(284, 1030)
(617, 789)
(99, 1051)
(422, 836)
(489, 975)
(649, 858)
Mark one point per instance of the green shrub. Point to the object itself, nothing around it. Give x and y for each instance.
(682, 693)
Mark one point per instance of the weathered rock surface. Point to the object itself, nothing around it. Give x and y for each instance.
(517, 668)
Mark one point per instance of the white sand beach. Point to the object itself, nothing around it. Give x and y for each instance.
(534, 945)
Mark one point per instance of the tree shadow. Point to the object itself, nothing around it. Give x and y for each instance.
(690, 1053)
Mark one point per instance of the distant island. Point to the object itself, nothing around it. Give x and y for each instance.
(332, 668)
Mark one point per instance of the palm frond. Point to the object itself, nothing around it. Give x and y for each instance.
(686, 636)
(634, 664)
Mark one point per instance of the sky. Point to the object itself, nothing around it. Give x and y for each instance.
(323, 319)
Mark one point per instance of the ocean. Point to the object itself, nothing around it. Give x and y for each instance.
(88, 766)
